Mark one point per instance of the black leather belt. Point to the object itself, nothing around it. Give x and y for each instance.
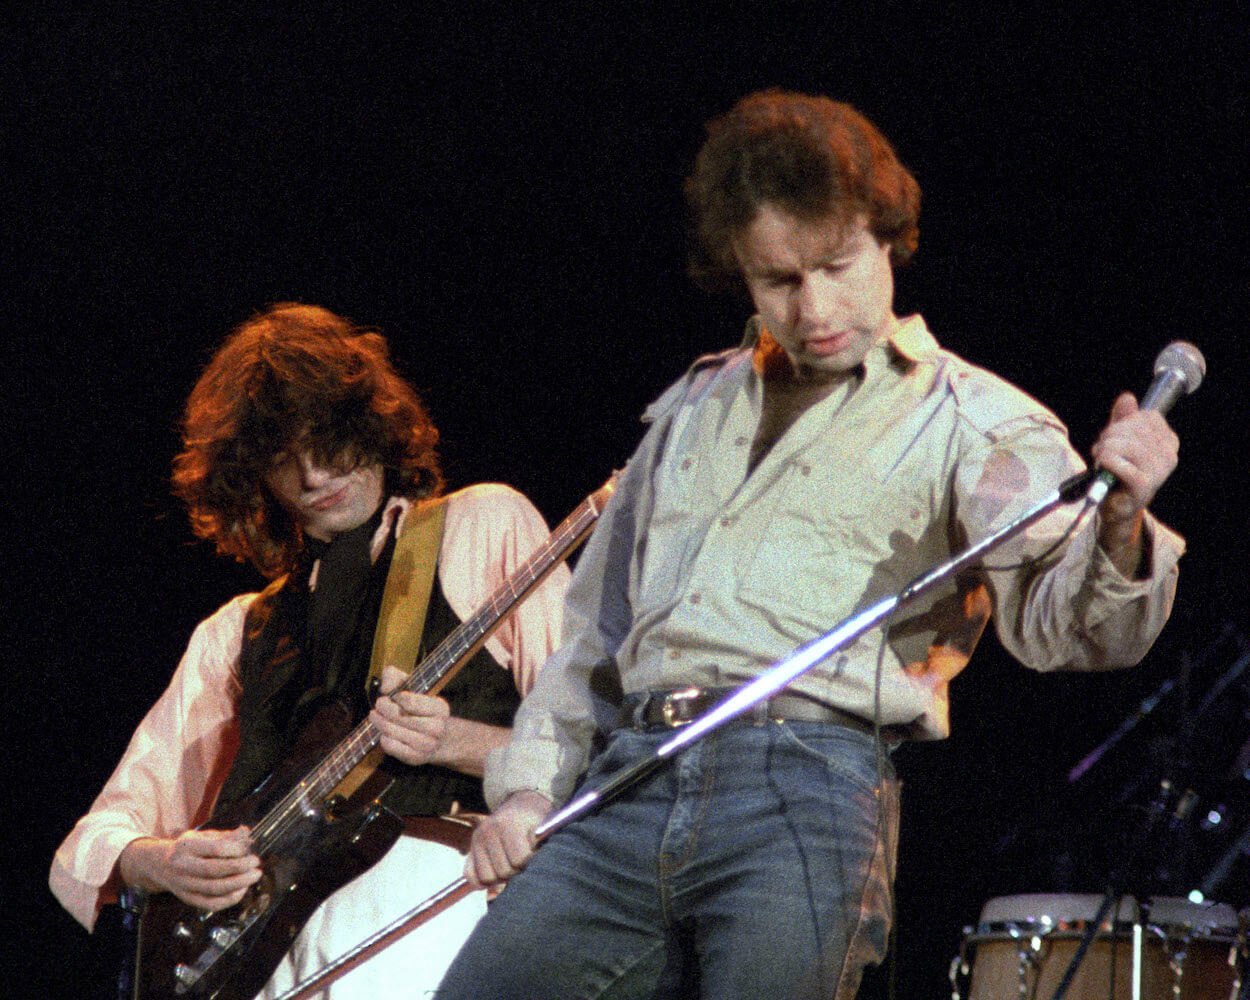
(670, 708)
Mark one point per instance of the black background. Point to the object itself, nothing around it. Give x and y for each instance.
(498, 189)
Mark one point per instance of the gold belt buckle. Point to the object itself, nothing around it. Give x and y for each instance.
(672, 701)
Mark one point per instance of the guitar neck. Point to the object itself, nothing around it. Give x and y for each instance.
(433, 672)
(436, 670)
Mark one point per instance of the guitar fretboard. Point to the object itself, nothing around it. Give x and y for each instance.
(450, 655)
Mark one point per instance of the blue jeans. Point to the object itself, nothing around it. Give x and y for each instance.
(751, 866)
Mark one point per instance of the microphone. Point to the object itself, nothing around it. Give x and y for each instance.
(1179, 369)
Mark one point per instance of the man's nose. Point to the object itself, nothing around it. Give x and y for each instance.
(818, 299)
(312, 473)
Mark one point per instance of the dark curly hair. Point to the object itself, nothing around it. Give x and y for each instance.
(812, 157)
(294, 375)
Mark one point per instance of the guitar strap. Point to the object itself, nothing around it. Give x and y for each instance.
(406, 597)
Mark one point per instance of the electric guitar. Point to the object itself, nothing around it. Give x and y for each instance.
(315, 822)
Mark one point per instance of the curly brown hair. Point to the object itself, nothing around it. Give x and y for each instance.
(812, 157)
(294, 375)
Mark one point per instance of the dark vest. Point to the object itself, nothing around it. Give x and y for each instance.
(283, 693)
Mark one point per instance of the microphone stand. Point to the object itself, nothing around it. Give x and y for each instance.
(1147, 706)
(742, 700)
(1114, 894)
(1152, 701)
(805, 657)
(1169, 801)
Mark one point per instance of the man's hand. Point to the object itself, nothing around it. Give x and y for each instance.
(504, 841)
(412, 726)
(210, 869)
(1141, 450)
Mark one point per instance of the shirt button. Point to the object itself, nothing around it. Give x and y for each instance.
(805, 469)
(686, 463)
(725, 522)
(674, 654)
(740, 440)
(695, 598)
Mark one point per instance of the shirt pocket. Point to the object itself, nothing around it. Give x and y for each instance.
(674, 490)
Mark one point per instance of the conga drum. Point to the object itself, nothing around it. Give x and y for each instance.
(1022, 946)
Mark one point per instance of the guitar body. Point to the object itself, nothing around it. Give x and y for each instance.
(184, 952)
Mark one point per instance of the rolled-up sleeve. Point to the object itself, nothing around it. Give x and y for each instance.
(1069, 609)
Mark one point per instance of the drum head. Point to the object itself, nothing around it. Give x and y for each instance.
(1178, 913)
(1044, 910)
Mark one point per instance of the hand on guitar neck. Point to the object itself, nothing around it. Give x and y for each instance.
(209, 869)
(419, 729)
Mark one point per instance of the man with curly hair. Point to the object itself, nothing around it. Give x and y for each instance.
(306, 454)
(779, 488)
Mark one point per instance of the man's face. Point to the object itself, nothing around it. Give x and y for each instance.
(824, 291)
(324, 499)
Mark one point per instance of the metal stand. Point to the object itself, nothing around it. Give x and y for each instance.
(1168, 802)
(809, 654)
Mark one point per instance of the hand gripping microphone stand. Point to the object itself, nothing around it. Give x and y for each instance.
(744, 698)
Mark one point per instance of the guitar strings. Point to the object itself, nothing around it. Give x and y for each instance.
(352, 749)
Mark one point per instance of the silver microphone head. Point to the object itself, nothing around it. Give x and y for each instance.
(1187, 361)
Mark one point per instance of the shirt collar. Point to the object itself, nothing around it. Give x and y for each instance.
(393, 515)
(912, 340)
(908, 339)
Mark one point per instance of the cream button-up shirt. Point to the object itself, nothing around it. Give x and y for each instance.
(700, 573)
